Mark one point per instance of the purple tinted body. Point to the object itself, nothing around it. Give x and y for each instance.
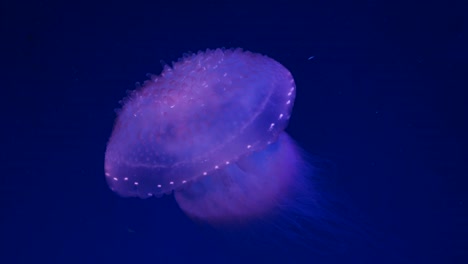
(207, 120)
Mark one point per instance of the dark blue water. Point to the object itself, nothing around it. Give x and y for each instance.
(380, 110)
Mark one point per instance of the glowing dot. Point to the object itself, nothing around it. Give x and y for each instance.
(184, 181)
(136, 183)
(171, 182)
(107, 174)
(227, 162)
(249, 146)
(288, 102)
(205, 173)
(289, 94)
(281, 116)
(216, 167)
(115, 179)
(271, 126)
(159, 185)
(125, 179)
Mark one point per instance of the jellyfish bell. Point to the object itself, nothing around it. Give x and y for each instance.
(214, 121)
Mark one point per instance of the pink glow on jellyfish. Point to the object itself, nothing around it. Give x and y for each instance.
(211, 129)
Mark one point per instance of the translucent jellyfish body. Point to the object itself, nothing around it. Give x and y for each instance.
(210, 128)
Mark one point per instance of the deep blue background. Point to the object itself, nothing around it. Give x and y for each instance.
(383, 101)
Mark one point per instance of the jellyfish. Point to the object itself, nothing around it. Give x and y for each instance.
(210, 129)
